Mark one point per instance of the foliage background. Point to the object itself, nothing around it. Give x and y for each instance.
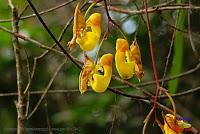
(92, 112)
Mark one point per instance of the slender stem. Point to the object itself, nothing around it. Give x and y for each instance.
(100, 45)
(41, 12)
(112, 21)
(89, 9)
(152, 56)
(190, 35)
(154, 9)
(51, 34)
(171, 100)
(152, 59)
(170, 50)
(151, 47)
(146, 121)
(46, 90)
(21, 102)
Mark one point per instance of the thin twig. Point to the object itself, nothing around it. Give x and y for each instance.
(23, 11)
(46, 90)
(147, 120)
(21, 102)
(51, 34)
(154, 9)
(197, 67)
(112, 21)
(112, 89)
(127, 95)
(190, 35)
(152, 56)
(62, 34)
(41, 92)
(170, 50)
(29, 79)
(158, 8)
(42, 12)
(47, 116)
(31, 40)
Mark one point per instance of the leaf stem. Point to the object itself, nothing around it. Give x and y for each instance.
(89, 8)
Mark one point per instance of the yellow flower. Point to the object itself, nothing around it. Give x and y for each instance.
(174, 126)
(86, 33)
(128, 61)
(102, 76)
(97, 76)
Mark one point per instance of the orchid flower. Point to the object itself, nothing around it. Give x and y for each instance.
(128, 61)
(86, 33)
(174, 126)
(97, 76)
(102, 76)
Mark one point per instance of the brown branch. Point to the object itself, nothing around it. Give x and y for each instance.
(39, 44)
(42, 12)
(154, 9)
(190, 36)
(116, 9)
(46, 90)
(113, 89)
(41, 92)
(170, 50)
(20, 104)
(67, 55)
(197, 67)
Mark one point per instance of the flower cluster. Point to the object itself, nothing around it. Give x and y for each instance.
(87, 35)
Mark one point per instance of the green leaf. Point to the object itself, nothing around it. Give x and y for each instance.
(178, 52)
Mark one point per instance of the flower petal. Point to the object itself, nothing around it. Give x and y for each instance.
(135, 50)
(90, 38)
(124, 62)
(100, 82)
(78, 27)
(85, 74)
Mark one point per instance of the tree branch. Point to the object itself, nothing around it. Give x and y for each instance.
(46, 90)
(51, 34)
(154, 9)
(20, 104)
(40, 13)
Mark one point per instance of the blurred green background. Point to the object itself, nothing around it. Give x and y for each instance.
(91, 112)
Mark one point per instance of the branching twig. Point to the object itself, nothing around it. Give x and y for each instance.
(170, 50)
(113, 89)
(46, 90)
(154, 9)
(21, 102)
(51, 34)
(152, 55)
(190, 35)
(42, 12)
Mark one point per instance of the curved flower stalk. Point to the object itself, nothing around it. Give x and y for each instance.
(174, 126)
(85, 33)
(97, 76)
(128, 61)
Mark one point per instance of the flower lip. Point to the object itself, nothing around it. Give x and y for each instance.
(122, 45)
(106, 59)
(95, 19)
